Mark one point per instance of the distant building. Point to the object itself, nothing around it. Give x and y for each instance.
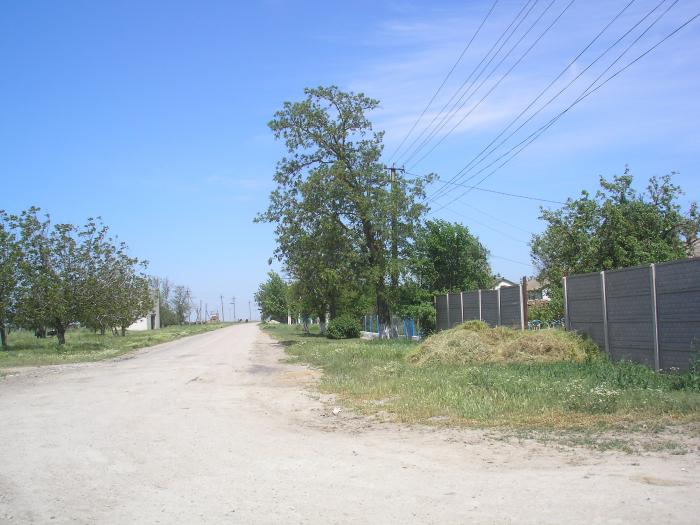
(152, 320)
(214, 317)
(537, 291)
(504, 282)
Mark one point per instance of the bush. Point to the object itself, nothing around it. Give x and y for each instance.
(343, 327)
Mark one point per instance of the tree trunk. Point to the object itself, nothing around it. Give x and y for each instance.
(3, 337)
(123, 331)
(61, 334)
(332, 308)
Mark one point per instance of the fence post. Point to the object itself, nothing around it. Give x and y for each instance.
(523, 307)
(480, 319)
(499, 307)
(655, 318)
(461, 304)
(567, 322)
(447, 300)
(604, 296)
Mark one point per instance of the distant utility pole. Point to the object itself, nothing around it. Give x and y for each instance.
(206, 313)
(250, 312)
(199, 312)
(221, 298)
(233, 302)
(394, 227)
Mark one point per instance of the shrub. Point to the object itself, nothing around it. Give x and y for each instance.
(343, 327)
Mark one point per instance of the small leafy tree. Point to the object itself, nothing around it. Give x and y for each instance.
(51, 272)
(615, 228)
(10, 255)
(448, 258)
(272, 298)
(182, 303)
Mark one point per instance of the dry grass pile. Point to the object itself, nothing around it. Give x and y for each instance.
(475, 342)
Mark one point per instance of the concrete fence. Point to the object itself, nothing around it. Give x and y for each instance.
(506, 306)
(648, 314)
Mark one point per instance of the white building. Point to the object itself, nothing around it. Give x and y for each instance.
(152, 320)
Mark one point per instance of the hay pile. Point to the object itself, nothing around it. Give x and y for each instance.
(475, 342)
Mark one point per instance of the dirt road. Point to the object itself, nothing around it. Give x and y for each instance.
(214, 429)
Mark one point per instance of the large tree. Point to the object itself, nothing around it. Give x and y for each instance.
(333, 172)
(617, 227)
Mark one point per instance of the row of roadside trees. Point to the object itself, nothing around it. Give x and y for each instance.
(54, 275)
(352, 234)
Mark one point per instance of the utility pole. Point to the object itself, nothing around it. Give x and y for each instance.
(394, 231)
(233, 302)
(221, 298)
(199, 312)
(206, 313)
(250, 312)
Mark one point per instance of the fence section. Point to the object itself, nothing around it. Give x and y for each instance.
(502, 307)
(647, 314)
(678, 306)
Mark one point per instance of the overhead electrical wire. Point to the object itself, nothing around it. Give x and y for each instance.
(444, 187)
(444, 81)
(493, 88)
(471, 90)
(589, 91)
(466, 169)
(474, 70)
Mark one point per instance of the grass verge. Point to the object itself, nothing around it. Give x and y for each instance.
(84, 345)
(398, 379)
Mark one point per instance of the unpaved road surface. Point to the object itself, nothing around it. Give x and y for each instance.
(214, 429)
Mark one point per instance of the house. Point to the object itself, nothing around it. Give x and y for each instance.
(537, 291)
(152, 320)
(504, 282)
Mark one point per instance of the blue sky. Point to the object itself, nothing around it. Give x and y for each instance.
(154, 114)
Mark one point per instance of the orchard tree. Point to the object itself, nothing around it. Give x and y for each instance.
(10, 255)
(615, 228)
(333, 170)
(51, 270)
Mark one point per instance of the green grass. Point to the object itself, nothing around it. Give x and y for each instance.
(380, 377)
(83, 345)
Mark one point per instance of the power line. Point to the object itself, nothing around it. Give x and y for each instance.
(474, 70)
(444, 81)
(589, 91)
(511, 260)
(504, 193)
(467, 169)
(471, 90)
(484, 225)
(443, 188)
(492, 89)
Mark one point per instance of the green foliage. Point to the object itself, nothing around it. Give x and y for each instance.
(616, 228)
(272, 298)
(343, 222)
(423, 314)
(343, 327)
(547, 311)
(64, 274)
(448, 258)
